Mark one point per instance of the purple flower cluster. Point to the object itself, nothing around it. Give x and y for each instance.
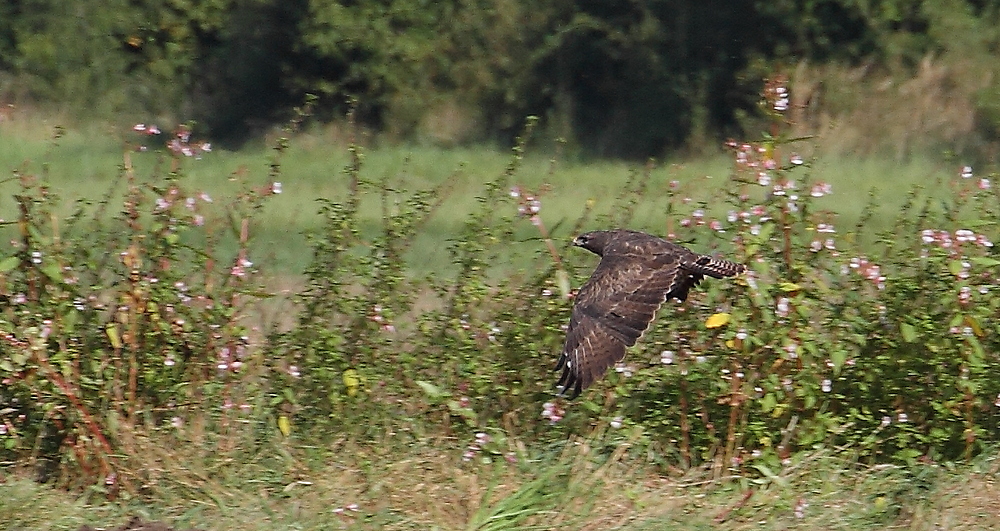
(953, 241)
(868, 270)
(552, 412)
(376, 316)
(528, 204)
(481, 440)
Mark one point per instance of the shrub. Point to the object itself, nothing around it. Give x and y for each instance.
(116, 319)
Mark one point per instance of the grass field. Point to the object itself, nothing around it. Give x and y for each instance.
(83, 165)
(423, 485)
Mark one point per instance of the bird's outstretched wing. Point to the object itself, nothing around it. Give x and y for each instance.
(617, 304)
(612, 311)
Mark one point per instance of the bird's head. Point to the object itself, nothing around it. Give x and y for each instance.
(593, 241)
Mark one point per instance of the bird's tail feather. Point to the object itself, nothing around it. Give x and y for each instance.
(715, 267)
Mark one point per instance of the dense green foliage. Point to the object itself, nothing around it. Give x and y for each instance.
(126, 317)
(626, 79)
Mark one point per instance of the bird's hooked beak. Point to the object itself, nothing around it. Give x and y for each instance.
(578, 241)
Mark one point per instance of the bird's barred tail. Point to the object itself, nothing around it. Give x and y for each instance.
(715, 267)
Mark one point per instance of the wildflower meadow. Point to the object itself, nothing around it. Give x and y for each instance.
(150, 363)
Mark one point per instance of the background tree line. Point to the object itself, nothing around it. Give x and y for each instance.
(631, 78)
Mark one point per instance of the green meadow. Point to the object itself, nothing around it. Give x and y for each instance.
(86, 166)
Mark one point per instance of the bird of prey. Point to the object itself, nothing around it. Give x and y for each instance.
(637, 274)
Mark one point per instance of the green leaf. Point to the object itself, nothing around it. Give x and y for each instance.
(765, 231)
(19, 357)
(112, 332)
(984, 261)
(433, 391)
(769, 402)
(977, 349)
(809, 400)
(70, 320)
(8, 264)
(466, 413)
(38, 237)
(789, 287)
(909, 332)
(766, 471)
(838, 357)
(52, 270)
(908, 455)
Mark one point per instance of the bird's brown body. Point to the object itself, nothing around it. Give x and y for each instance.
(637, 274)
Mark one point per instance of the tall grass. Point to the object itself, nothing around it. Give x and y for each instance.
(418, 486)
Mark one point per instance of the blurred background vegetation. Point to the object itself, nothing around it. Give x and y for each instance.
(624, 79)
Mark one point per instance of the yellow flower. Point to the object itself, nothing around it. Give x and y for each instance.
(717, 320)
(351, 381)
(285, 425)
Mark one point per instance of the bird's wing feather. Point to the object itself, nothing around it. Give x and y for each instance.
(612, 311)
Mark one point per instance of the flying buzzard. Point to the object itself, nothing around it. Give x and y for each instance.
(637, 274)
